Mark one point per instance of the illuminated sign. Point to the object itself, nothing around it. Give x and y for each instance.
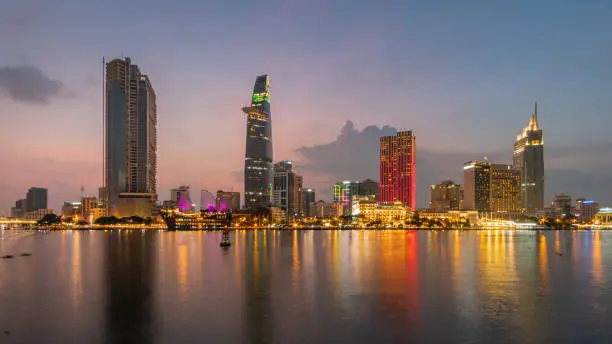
(261, 97)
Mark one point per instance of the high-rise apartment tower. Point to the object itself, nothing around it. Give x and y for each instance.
(130, 132)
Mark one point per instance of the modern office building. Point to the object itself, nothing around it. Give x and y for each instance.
(130, 133)
(258, 169)
(477, 186)
(36, 199)
(308, 197)
(208, 201)
(586, 210)
(398, 169)
(446, 196)
(287, 189)
(528, 158)
(228, 200)
(505, 189)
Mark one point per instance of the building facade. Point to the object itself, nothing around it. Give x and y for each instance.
(19, 210)
(130, 137)
(446, 196)
(528, 158)
(585, 210)
(505, 189)
(36, 199)
(208, 201)
(227, 200)
(258, 169)
(561, 206)
(181, 198)
(398, 169)
(308, 197)
(370, 188)
(477, 186)
(287, 189)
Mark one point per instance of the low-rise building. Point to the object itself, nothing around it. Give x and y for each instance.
(37, 214)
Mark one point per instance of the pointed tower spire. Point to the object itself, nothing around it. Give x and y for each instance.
(535, 114)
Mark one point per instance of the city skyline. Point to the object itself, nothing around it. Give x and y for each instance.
(453, 105)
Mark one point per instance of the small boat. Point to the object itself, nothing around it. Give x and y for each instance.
(225, 240)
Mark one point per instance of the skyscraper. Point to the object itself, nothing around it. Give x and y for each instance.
(130, 140)
(477, 186)
(287, 188)
(258, 168)
(398, 169)
(308, 197)
(528, 158)
(36, 199)
(505, 189)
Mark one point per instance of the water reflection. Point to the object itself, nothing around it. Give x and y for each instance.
(129, 278)
(309, 286)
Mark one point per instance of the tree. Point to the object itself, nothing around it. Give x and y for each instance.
(49, 219)
(416, 219)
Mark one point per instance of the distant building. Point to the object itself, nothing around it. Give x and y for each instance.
(603, 217)
(87, 204)
(181, 197)
(386, 213)
(585, 210)
(446, 196)
(477, 186)
(308, 197)
(369, 188)
(505, 189)
(70, 209)
(529, 160)
(130, 142)
(343, 196)
(227, 200)
(19, 210)
(258, 170)
(36, 198)
(37, 214)
(208, 201)
(287, 189)
(323, 209)
(102, 197)
(562, 205)
(398, 169)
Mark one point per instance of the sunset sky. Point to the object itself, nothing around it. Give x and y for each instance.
(463, 77)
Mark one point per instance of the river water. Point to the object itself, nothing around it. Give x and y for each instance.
(306, 287)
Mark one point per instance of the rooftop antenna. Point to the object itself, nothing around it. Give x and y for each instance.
(535, 114)
(82, 190)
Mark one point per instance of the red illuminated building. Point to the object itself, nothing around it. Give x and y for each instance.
(398, 169)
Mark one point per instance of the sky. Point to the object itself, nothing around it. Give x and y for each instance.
(462, 75)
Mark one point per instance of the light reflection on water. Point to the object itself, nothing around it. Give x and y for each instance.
(307, 286)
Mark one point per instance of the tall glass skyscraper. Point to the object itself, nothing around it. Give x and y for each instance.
(130, 132)
(528, 158)
(398, 169)
(258, 170)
